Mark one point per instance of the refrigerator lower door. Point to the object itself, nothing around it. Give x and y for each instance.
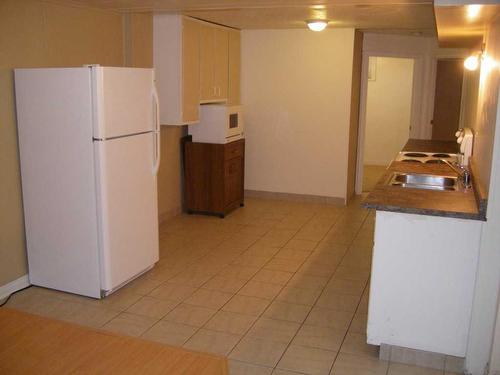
(54, 119)
(127, 206)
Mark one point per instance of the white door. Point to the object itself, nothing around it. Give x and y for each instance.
(128, 210)
(123, 100)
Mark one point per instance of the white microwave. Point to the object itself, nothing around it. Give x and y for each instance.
(219, 123)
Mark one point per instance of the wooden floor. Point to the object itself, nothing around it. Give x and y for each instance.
(30, 344)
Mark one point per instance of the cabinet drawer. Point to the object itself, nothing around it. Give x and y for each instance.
(233, 181)
(233, 150)
(232, 167)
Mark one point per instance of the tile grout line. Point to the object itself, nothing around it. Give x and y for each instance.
(349, 326)
(357, 306)
(272, 300)
(198, 288)
(161, 284)
(317, 298)
(283, 286)
(331, 277)
(286, 284)
(213, 250)
(220, 308)
(247, 281)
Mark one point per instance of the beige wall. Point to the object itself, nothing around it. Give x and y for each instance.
(484, 128)
(388, 109)
(138, 37)
(43, 34)
(470, 92)
(138, 40)
(169, 175)
(487, 156)
(296, 93)
(37, 34)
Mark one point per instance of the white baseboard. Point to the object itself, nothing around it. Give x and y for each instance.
(14, 286)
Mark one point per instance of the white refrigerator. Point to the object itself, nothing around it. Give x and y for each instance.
(89, 142)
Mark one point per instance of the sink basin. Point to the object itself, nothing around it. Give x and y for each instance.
(423, 181)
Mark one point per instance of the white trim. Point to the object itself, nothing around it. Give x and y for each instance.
(358, 187)
(7, 289)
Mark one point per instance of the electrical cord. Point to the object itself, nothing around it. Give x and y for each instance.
(10, 295)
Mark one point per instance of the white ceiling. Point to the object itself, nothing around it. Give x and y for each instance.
(393, 16)
(457, 27)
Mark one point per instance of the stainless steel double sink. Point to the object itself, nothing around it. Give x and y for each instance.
(424, 181)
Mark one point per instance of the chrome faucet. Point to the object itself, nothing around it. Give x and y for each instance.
(462, 172)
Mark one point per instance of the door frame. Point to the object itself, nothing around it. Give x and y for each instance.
(417, 116)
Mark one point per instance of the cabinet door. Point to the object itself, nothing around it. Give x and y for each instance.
(221, 58)
(207, 53)
(233, 180)
(234, 67)
(190, 70)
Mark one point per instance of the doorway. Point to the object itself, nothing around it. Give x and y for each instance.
(389, 97)
(447, 99)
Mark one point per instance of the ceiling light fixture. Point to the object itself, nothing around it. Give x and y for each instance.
(317, 25)
(480, 58)
(472, 62)
(473, 11)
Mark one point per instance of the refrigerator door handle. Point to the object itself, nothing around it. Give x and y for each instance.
(156, 132)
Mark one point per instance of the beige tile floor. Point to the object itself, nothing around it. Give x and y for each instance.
(371, 175)
(277, 287)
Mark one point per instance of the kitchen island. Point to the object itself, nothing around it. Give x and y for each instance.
(425, 255)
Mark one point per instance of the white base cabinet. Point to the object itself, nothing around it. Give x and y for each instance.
(422, 282)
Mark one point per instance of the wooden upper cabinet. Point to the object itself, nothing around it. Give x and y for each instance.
(221, 63)
(214, 55)
(195, 62)
(207, 52)
(176, 48)
(234, 67)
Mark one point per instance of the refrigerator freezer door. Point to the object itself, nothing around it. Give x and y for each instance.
(123, 100)
(54, 117)
(127, 207)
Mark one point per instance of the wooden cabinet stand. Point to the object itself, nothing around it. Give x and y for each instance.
(214, 176)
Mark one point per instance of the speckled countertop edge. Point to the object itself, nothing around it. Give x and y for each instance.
(481, 206)
(425, 211)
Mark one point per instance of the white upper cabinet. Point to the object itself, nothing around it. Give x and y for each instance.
(214, 63)
(196, 62)
(176, 55)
